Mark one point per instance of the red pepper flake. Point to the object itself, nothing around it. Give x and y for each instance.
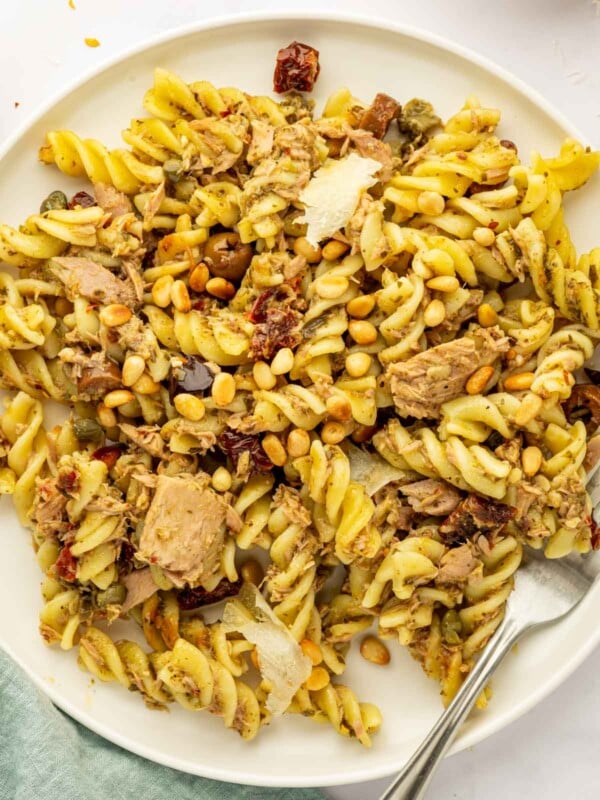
(493, 224)
(68, 480)
(108, 454)
(234, 443)
(297, 67)
(82, 199)
(66, 565)
(226, 113)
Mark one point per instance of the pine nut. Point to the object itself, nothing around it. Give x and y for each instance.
(330, 287)
(263, 375)
(161, 291)
(145, 385)
(339, 407)
(531, 458)
(252, 572)
(274, 449)
(374, 650)
(484, 236)
(530, 407)
(283, 361)
(439, 260)
(119, 397)
(114, 315)
(333, 433)
(358, 364)
(479, 380)
(180, 297)
(443, 283)
(434, 314)
(221, 479)
(362, 332)
(298, 443)
(318, 679)
(360, 307)
(302, 247)
(133, 368)
(487, 315)
(431, 203)
(334, 250)
(189, 406)
(199, 277)
(106, 416)
(62, 307)
(312, 650)
(223, 389)
(220, 288)
(515, 475)
(519, 382)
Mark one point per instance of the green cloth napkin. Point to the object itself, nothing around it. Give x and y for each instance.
(45, 755)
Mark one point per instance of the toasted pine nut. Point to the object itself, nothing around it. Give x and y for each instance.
(479, 380)
(161, 291)
(487, 315)
(145, 385)
(439, 260)
(330, 287)
(333, 432)
(360, 307)
(133, 368)
(484, 236)
(374, 650)
(221, 479)
(362, 332)
(302, 247)
(115, 314)
(434, 314)
(531, 458)
(338, 406)
(274, 449)
(189, 406)
(220, 288)
(515, 475)
(263, 376)
(199, 277)
(118, 398)
(223, 389)
(62, 307)
(312, 650)
(431, 203)
(318, 679)
(298, 443)
(443, 283)
(180, 297)
(530, 406)
(106, 416)
(252, 572)
(283, 361)
(358, 364)
(334, 250)
(519, 382)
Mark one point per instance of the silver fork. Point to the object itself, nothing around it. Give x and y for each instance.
(545, 591)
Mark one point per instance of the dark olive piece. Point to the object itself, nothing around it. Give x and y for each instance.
(226, 256)
(54, 200)
(192, 377)
(173, 169)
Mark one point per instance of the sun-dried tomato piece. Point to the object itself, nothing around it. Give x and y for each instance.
(280, 329)
(195, 598)
(68, 480)
(234, 443)
(258, 312)
(66, 565)
(379, 115)
(297, 68)
(475, 515)
(584, 403)
(108, 454)
(82, 199)
(595, 540)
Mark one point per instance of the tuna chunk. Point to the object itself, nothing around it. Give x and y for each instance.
(423, 383)
(451, 324)
(82, 277)
(140, 586)
(473, 516)
(112, 201)
(457, 565)
(147, 437)
(432, 496)
(184, 529)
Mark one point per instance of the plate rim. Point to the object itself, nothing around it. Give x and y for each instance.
(376, 22)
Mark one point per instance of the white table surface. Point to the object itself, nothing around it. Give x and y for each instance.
(553, 752)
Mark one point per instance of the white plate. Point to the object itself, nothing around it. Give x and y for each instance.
(367, 57)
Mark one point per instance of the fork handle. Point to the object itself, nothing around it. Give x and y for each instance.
(417, 774)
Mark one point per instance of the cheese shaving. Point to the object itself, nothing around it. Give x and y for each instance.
(332, 195)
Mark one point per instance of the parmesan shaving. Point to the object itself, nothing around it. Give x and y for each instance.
(332, 195)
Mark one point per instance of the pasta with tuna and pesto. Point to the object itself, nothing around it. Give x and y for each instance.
(332, 372)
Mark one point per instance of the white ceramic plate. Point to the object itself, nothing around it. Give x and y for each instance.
(367, 57)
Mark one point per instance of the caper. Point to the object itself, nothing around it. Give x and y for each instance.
(226, 256)
(291, 226)
(87, 430)
(451, 627)
(173, 169)
(54, 200)
(113, 596)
